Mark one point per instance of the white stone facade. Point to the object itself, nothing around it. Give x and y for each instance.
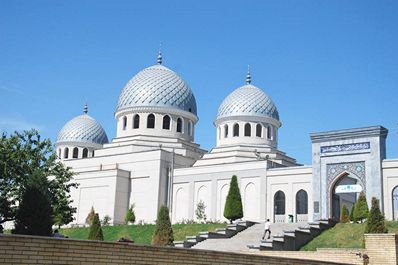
(154, 160)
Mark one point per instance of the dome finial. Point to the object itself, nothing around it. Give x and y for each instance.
(248, 76)
(160, 58)
(85, 109)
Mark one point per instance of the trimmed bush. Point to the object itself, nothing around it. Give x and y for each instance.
(375, 223)
(95, 229)
(163, 235)
(233, 205)
(345, 218)
(361, 208)
(35, 213)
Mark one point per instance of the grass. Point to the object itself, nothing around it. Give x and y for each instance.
(344, 236)
(141, 234)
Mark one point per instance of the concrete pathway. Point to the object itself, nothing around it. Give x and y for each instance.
(250, 236)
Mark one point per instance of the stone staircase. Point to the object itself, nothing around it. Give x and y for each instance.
(219, 233)
(294, 239)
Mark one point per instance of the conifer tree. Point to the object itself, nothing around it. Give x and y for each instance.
(361, 208)
(95, 229)
(375, 223)
(90, 216)
(130, 215)
(233, 205)
(34, 215)
(344, 214)
(163, 235)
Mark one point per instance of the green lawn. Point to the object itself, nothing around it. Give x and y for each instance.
(344, 236)
(141, 234)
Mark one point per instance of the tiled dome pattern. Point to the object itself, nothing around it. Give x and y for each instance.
(248, 100)
(157, 86)
(82, 129)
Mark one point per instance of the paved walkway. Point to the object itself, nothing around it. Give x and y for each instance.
(250, 236)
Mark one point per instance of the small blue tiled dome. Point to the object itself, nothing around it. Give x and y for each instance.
(82, 129)
(248, 100)
(157, 86)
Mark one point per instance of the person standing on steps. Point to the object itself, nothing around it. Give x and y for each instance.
(267, 228)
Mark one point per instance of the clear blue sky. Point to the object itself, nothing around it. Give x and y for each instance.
(326, 64)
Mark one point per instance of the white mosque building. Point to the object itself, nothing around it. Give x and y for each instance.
(154, 160)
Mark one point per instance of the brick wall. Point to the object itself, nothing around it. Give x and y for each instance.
(16, 249)
(382, 248)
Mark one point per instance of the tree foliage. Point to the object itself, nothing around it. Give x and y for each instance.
(163, 235)
(361, 208)
(130, 215)
(375, 223)
(345, 218)
(233, 205)
(90, 216)
(95, 229)
(200, 211)
(35, 213)
(22, 154)
(352, 218)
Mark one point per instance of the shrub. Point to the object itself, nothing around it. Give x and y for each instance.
(344, 214)
(163, 235)
(130, 215)
(200, 211)
(361, 208)
(90, 216)
(233, 205)
(95, 229)
(106, 220)
(375, 223)
(35, 214)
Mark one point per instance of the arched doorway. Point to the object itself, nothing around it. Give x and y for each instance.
(344, 191)
(279, 207)
(301, 206)
(395, 203)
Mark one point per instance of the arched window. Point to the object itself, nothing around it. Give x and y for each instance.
(259, 130)
(179, 125)
(150, 123)
(225, 131)
(136, 121)
(85, 153)
(75, 152)
(59, 152)
(166, 122)
(301, 202)
(279, 202)
(66, 152)
(269, 132)
(92, 153)
(124, 123)
(190, 128)
(248, 129)
(236, 129)
(395, 203)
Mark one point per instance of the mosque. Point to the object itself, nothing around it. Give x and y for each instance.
(154, 160)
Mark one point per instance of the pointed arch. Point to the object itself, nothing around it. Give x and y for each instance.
(124, 123)
(236, 130)
(248, 129)
(85, 153)
(75, 152)
(259, 130)
(66, 152)
(150, 123)
(136, 121)
(179, 125)
(226, 131)
(166, 122)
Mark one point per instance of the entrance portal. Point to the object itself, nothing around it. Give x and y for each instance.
(345, 192)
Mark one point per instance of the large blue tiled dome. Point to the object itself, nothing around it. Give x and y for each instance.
(157, 86)
(248, 100)
(82, 129)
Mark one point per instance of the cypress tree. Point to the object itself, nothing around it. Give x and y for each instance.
(233, 205)
(35, 214)
(90, 216)
(95, 229)
(375, 223)
(163, 235)
(344, 214)
(361, 208)
(130, 215)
